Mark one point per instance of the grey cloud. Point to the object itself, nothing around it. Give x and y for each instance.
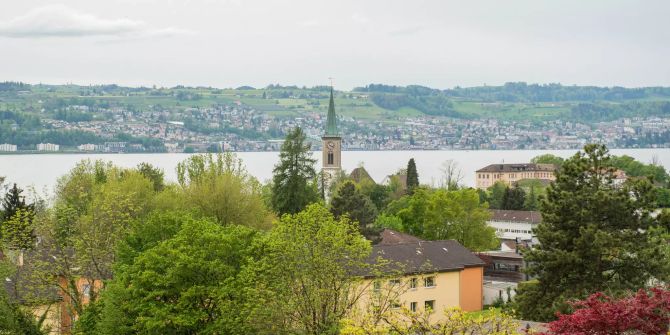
(63, 21)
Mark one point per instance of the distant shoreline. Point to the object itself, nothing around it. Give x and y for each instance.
(19, 153)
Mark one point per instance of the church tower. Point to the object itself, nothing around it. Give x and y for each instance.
(332, 144)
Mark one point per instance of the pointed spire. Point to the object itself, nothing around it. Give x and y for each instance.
(331, 121)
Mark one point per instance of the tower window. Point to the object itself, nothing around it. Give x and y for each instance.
(331, 158)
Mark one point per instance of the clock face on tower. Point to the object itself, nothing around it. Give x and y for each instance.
(331, 144)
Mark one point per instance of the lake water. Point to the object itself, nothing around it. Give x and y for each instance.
(42, 170)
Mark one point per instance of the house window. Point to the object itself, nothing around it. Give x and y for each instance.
(86, 290)
(395, 282)
(330, 158)
(429, 282)
(395, 304)
(412, 306)
(413, 283)
(429, 305)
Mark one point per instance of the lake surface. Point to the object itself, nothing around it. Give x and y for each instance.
(41, 171)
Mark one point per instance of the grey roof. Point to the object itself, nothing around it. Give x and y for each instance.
(390, 236)
(515, 216)
(425, 256)
(521, 167)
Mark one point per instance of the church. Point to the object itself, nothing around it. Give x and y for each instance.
(332, 145)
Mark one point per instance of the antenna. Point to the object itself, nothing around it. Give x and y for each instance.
(331, 81)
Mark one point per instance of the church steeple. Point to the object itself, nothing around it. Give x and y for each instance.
(331, 121)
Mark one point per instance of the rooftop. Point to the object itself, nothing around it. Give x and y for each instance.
(521, 167)
(515, 216)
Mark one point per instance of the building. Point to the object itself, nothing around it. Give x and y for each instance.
(48, 147)
(514, 226)
(8, 147)
(87, 147)
(425, 274)
(332, 145)
(512, 173)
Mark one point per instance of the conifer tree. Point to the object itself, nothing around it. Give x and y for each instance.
(359, 208)
(294, 184)
(513, 198)
(412, 176)
(13, 203)
(594, 236)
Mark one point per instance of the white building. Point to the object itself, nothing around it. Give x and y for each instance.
(514, 225)
(48, 147)
(7, 147)
(87, 147)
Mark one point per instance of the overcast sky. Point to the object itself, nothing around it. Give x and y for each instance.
(229, 43)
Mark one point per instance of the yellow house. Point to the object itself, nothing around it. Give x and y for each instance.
(512, 173)
(422, 275)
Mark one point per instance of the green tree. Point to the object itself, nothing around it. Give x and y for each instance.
(513, 198)
(12, 203)
(594, 236)
(441, 214)
(219, 186)
(294, 184)
(14, 320)
(531, 203)
(305, 280)
(154, 174)
(351, 202)
(412, 176)
(18, 232)
(186, 284)
(548, 159)
(497, 194)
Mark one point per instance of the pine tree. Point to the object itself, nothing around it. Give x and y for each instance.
(294, 184)
(594, 236)
(351, 202)
(13, 203)
(412, 176)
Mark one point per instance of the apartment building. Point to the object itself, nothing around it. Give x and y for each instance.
(512, 173)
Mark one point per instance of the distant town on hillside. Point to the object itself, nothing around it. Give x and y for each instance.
(112, 118)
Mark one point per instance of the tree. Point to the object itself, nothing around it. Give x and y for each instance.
(307, 276)
(405, 322)
(18, 232)
(594, 236)
(12, 203)
(220, 187)
(497, 194)
(185, 284)
(513, 198)
(412, 176)
(548, 159)
(14, 320)
(351, 202)
(441, 214)
(452, 175)
(647, 312)
(154, 174)
(293, 181)
(531, 202)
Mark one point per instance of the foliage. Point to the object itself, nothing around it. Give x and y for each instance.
(185, 284)
(647, 312)
(513, 198)
(405, 322)
(548, 159)
(293, 181)
(154, 174)
(594, 236)
(496, 194)
(634, 168)
(18, 232)
(351, 202)
(441, 214)
(14, 320)
(305, 277)
(219, 186)
(412, 176)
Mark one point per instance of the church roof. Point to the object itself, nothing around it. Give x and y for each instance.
(331, 123)
(359, 174)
